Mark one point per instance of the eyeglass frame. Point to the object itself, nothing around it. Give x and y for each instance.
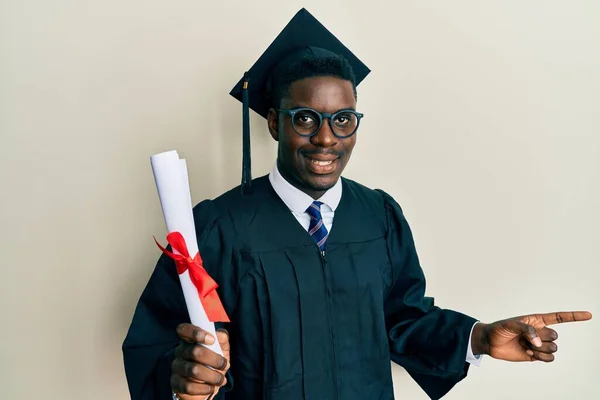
(330, 116)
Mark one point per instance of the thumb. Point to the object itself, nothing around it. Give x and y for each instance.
(529, 332)
(223, 336)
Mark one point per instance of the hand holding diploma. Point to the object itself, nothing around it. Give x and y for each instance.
(196, 370)
(202, 358)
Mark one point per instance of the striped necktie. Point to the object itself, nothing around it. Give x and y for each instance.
(317, 229)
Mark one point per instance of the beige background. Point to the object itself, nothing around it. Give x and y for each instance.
(482, 119)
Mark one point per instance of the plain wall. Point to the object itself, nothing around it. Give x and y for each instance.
(482, 120)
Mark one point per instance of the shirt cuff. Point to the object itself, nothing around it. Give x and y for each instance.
(471, 358)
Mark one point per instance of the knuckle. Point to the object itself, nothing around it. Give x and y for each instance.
(194, 370)
(198, 353)
(559, 318)
(180, 330)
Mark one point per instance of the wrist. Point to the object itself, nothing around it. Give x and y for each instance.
(479, 339)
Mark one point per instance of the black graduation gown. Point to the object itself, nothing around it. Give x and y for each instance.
(304, 326)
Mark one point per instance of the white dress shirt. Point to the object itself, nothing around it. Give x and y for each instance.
(298, 201)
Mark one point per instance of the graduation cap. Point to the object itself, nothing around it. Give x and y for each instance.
(303, 36)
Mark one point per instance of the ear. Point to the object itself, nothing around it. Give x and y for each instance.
(273, 122)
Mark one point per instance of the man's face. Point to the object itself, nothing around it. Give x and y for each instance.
(313, 164)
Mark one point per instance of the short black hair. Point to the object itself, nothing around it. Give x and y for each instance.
(308, 67)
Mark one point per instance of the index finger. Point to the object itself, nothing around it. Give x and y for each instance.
(565, 316)
(194, 334)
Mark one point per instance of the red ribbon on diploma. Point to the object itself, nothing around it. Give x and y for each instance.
(200, 278)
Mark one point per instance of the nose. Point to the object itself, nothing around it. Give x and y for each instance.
(324, 136)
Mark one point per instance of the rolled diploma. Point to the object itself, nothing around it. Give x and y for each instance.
(171, 178)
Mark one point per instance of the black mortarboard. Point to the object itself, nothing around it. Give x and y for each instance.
(301, 36)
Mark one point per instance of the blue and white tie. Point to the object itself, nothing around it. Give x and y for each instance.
(317, 229)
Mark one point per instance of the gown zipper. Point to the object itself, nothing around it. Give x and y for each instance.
(329, 315)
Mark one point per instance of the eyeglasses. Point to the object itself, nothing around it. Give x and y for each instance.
(307, 122)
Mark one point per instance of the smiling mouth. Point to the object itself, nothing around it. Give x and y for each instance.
(322, 163)
(321, 167)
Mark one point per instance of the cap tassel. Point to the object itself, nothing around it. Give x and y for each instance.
(246, 165)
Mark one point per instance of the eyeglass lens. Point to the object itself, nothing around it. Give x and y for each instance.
(307, 122)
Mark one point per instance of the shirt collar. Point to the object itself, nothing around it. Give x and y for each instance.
(298, 201)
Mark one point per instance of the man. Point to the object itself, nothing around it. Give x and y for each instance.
(319, 274)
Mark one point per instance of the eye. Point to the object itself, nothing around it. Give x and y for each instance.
(344, 119)
(305, 119)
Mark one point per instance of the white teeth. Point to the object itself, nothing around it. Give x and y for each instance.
(321, 162)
